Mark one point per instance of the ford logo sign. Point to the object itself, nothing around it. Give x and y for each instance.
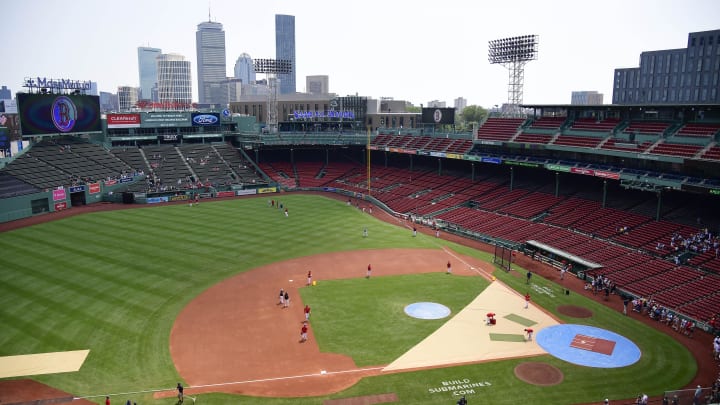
(205, 119)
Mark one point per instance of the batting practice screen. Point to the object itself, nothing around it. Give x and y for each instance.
(503, 257)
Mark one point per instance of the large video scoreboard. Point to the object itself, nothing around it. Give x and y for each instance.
(50, 114)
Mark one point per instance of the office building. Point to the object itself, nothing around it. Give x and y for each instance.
(285, 49)
(174, 81)
(93, 90)
(318, 84)
(147, 69)
(109, 102)
(127, 97)
(436, 104)
(586, 98)
(673, 76)
(211, 66)
(245, 69)
(460, 104)
(5, 93)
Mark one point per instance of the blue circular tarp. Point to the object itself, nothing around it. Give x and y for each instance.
(427, 310)
(575, 344)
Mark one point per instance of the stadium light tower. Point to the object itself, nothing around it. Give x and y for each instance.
(272, 67)
(514, 53)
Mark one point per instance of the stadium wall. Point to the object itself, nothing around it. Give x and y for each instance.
(25, 206)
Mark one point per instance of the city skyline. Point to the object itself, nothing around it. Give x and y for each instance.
(373, 49)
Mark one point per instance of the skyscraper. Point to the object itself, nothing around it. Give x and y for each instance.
(210, 44)
(147, 68)
(244, 69)
(285, 49)
(174, 81)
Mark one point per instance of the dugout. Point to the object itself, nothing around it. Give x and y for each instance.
(555, 257)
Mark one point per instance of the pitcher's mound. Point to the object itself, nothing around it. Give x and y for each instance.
(575, 311)
(539, 374)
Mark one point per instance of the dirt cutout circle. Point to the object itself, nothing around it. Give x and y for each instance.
(542, 374)
(575, 311)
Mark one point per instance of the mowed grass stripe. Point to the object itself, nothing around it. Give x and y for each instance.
(102, 289)
(85, 273)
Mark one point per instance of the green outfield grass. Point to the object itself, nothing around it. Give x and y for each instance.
(113, 282)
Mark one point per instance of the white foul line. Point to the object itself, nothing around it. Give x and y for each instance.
(451, 253)
(323, 373)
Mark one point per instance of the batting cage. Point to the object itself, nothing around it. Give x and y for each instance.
(503, 257)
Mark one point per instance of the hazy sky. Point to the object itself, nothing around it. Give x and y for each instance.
(410, 50)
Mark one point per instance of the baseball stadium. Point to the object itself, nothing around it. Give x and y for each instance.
(565, 256)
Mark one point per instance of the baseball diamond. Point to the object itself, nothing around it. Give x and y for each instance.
(228, 335)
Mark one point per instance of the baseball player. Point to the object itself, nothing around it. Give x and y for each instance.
(307, 312)
(529, 332)
(303, 332)
(449, 268)
(180, 393)
(369, 271)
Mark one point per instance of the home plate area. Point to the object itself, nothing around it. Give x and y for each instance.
(593, 344)
(588, 346)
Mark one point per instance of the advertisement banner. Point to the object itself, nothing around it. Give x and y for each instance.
(123, 120)
(126, 180)
(607, 175)
(58, 194)
(155, 200)
(60, 206)
(169, 138)
(205, 119)
(76, 189)
(94, 188)
(524, 164)
(180, 197)
(437, 154)
(222, 194)
(580, 170)
(265, 190)
(492, 160)
(165, 119)
(110, 182)
(453, 156)
(245, 192)
(558, 168)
